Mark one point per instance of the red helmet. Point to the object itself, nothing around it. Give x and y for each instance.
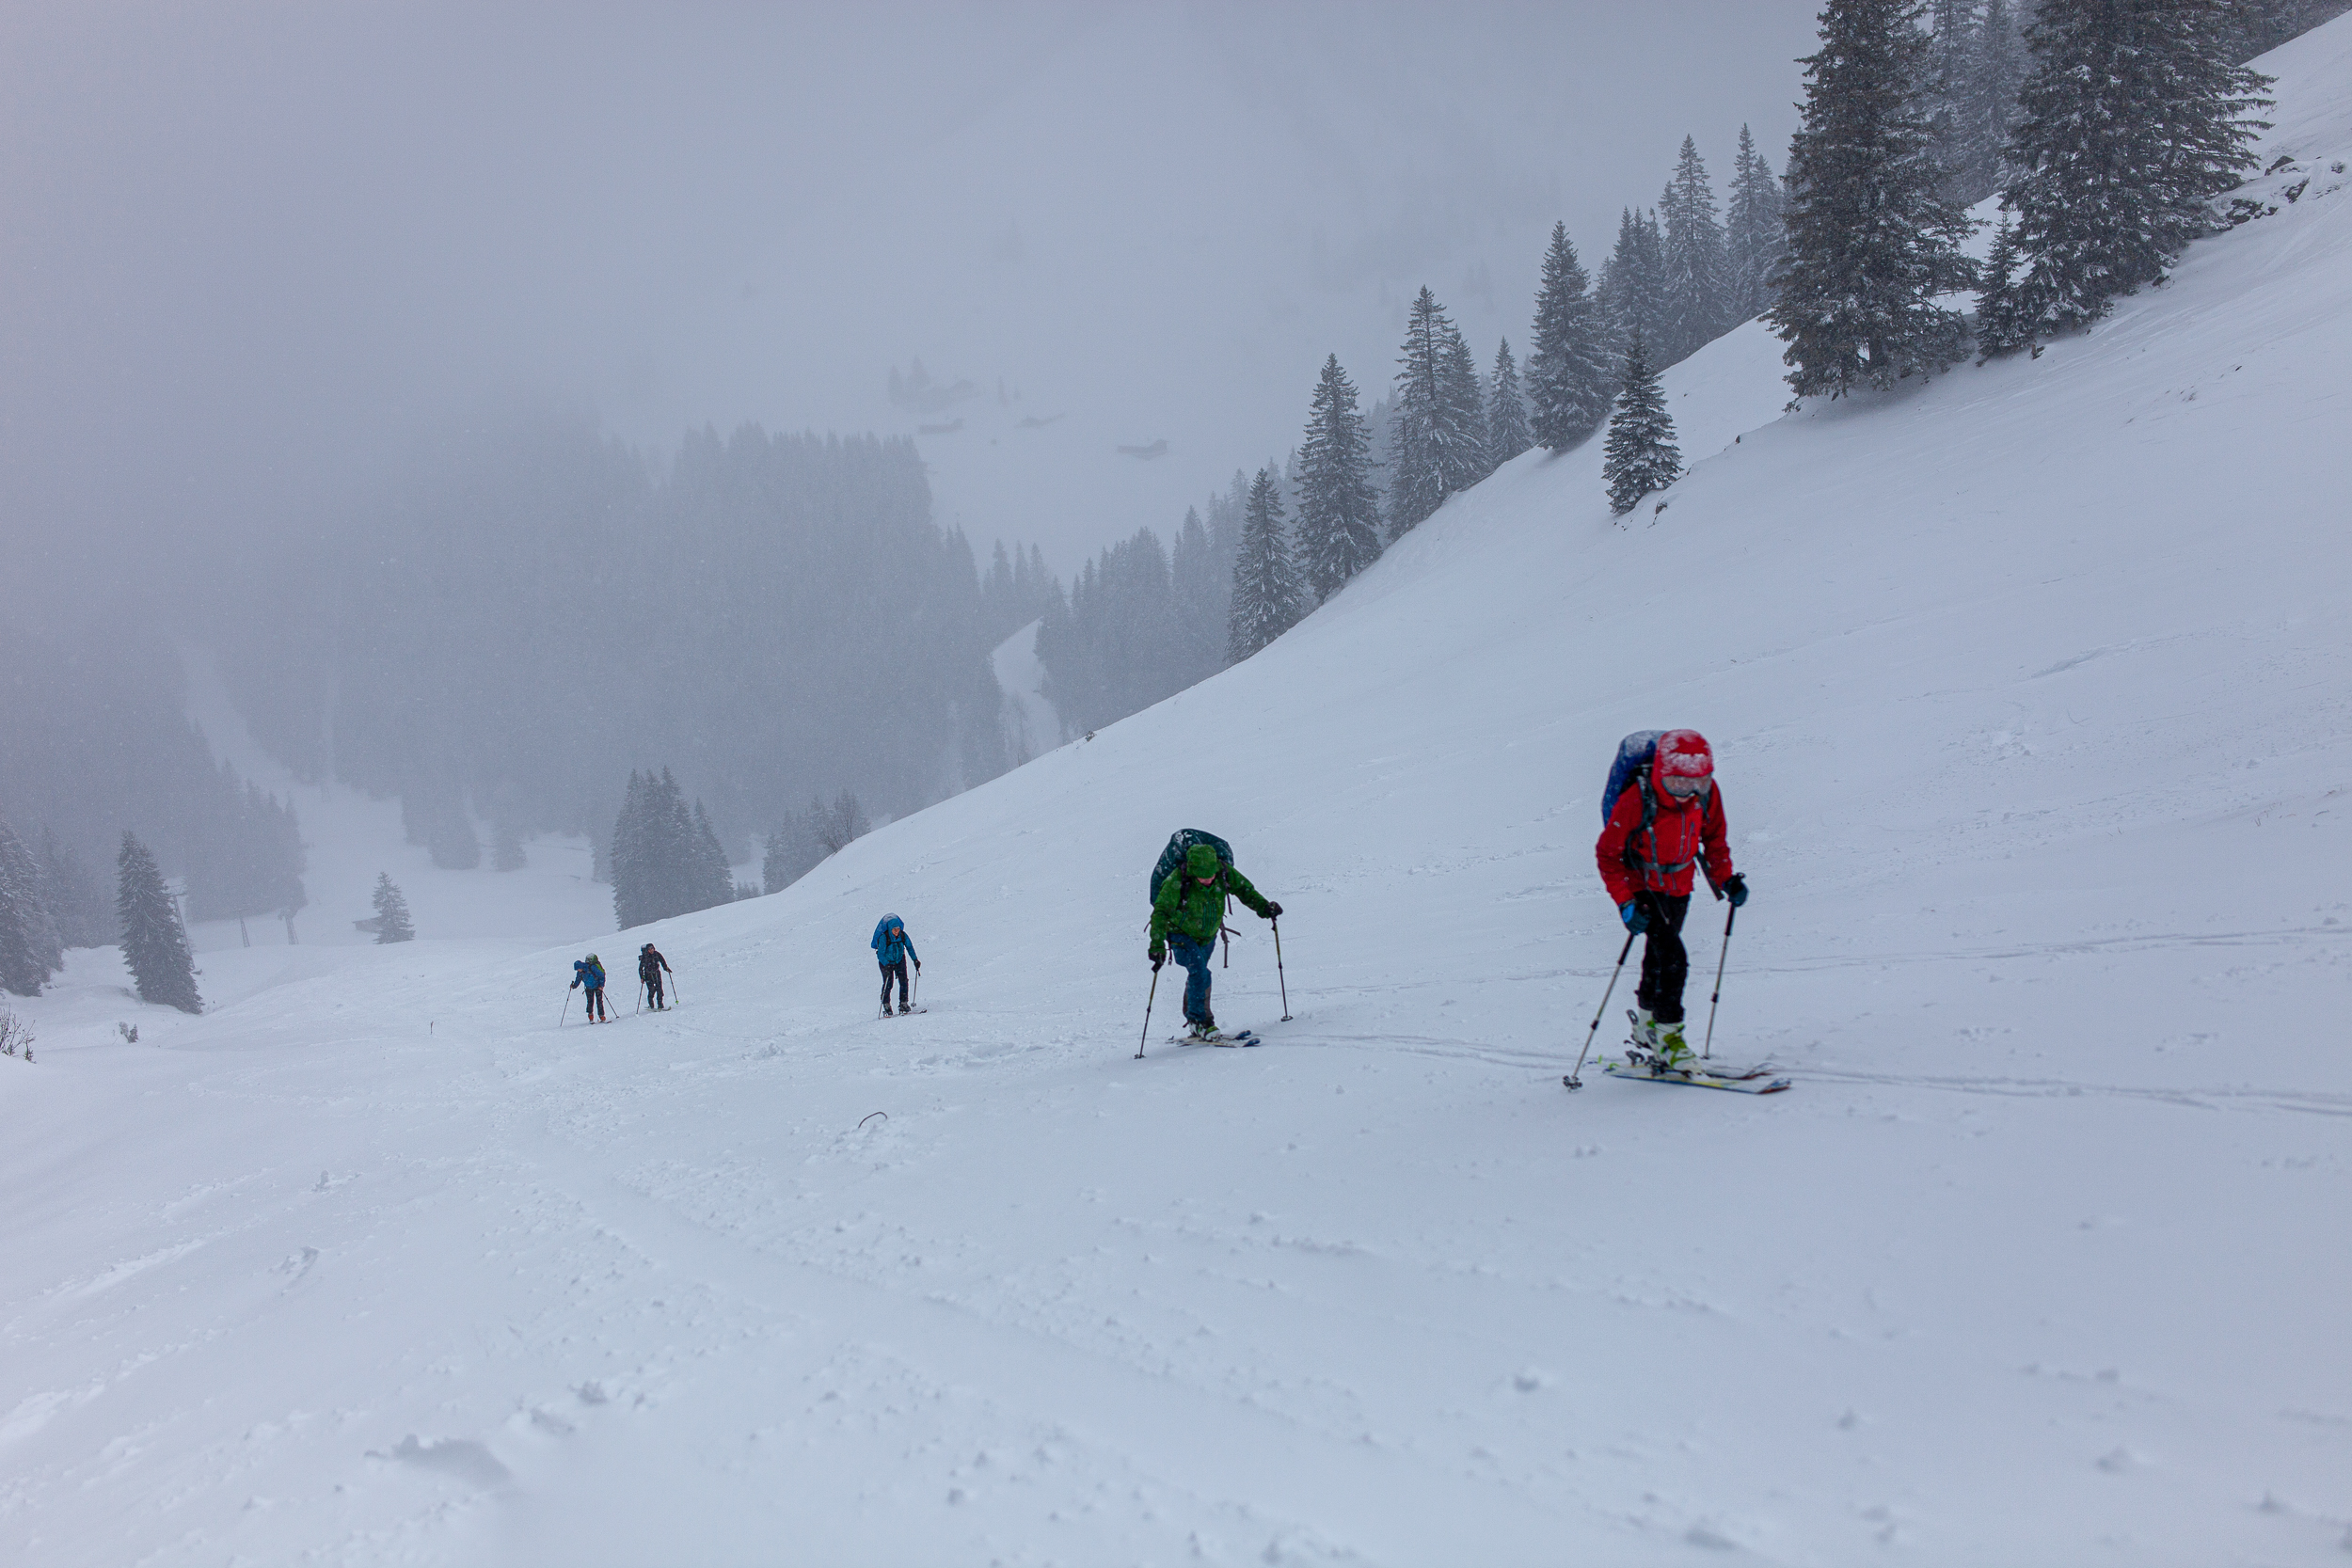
(1685, 763)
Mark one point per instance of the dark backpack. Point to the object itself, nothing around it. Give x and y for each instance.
(1172, 858)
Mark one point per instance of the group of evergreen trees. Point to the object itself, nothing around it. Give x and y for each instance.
(1140, 624)
(155, 942)
(251, 861)
(49, 903)
(795, 845)
(665, 860)
(96, 741)
(2130, 116)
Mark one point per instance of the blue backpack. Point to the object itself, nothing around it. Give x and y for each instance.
(1635, 753)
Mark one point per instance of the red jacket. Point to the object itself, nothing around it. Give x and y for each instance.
(1659, 858)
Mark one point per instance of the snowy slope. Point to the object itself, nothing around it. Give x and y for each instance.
(2032, 693)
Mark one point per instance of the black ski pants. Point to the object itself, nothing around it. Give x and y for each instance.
(595, 1002)
(894, 972)
(1665, 962)
(653, 987)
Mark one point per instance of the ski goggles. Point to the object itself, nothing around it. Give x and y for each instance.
(1682, 786)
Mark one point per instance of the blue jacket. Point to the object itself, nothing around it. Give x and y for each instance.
(590, 976)
(892, 943)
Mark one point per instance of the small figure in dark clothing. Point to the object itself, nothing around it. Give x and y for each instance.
(588, 971)
(650, 963)
(892, 948)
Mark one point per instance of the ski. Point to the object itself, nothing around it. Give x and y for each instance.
(1238, 1038)
(1756, 1081)
(879, 1019)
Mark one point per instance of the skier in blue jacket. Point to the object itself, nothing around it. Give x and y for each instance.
(893, 947)
(589, 973)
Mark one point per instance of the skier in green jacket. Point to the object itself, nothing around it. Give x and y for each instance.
(1187, 917)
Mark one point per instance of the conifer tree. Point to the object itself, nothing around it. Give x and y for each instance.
(73, 896)
(506, 847)
(1201, 588)
(392, 912)
(1507, 434)
(1568, 376)
(1990, 111)
(29, 949)
(2001, 324)
(1947, 88)
(1753, 239)
(1641, 455)
(2134, 117)
(1873, 240)
(1633, 285)
(1438, 439)
(1268, 597)
(713, 881)
(155, 942)
(1694, 282)
(1339, 517)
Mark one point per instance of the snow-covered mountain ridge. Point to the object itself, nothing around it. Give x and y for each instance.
(2032, 690)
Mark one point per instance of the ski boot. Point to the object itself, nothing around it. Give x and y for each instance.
(904, 1009)
(1204, 1031)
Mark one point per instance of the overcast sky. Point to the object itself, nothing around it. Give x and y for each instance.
(247, 250)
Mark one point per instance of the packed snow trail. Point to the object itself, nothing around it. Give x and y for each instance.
(2032, 695)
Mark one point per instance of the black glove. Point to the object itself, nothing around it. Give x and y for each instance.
(574, 986)
(1635, 917)
(1158, 958)
(1273, 910)
(1736, 889)
(919, 966)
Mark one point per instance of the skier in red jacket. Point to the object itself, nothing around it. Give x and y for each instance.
(1669, 819)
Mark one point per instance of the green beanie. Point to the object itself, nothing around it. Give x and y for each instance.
(1201, 860)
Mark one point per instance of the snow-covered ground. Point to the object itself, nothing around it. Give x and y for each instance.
(2033, 695)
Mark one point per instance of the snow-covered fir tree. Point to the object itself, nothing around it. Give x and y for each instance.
(30, 952)
(666, 860)
(710, 882)
(1201, 585)
(1339, 517)
(1633, 286)
(1268, 595)
(155, 942)
(73, 898)
(1989, 112)
(2133, 119)
(1437, 442)
(1946, 82)
(392, 912)
(1753, 239)
(1874, 240)
(1695, 282)
(838, 824)
(1568, 375)
(2002, 326)
(1508, 433)
(1641, 456)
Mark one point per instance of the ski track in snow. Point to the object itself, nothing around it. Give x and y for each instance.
(2033, 693)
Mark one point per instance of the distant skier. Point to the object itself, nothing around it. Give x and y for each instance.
(589, 972)
(650, 963)
(1664, 816)
(893, 947)
(1187, 913)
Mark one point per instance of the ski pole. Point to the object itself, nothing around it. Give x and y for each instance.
(1576, 1079)
(1729, 915)
(1280, 977)
(567, 1007)
(1147, 1012)
(917, 988)
(675, 995)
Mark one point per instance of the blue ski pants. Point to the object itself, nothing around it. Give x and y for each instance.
(1195, 957)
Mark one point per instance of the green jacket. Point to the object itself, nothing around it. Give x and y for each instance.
(1191, 909)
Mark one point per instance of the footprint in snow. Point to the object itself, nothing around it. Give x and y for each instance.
(460, 1458)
